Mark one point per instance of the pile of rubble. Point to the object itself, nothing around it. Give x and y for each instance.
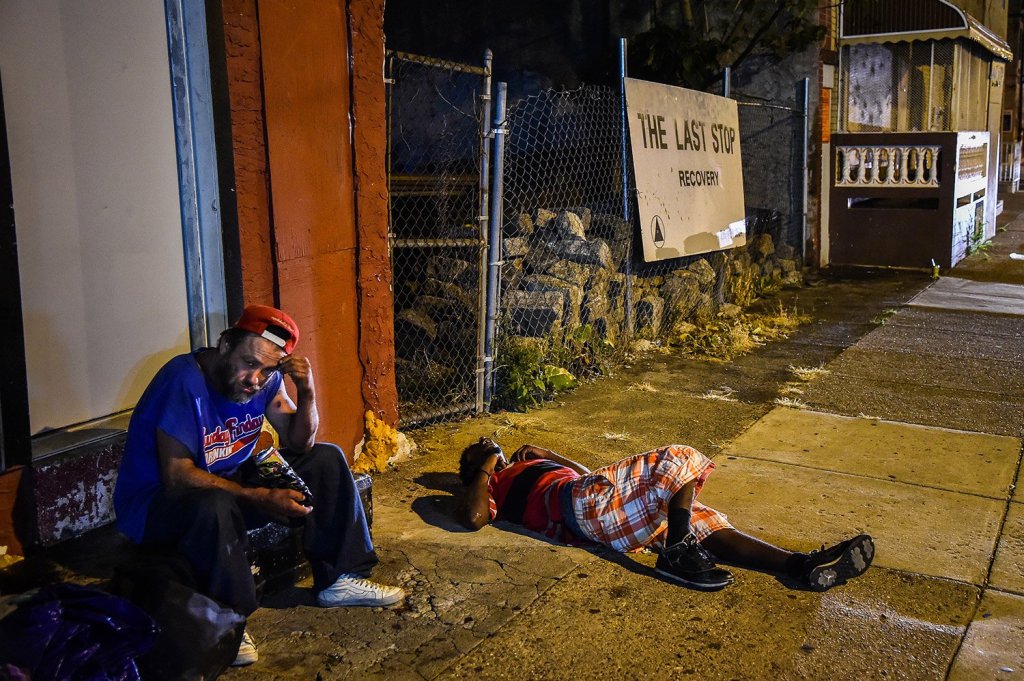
(563, 270)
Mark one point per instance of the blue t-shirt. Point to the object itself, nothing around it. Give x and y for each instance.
(219, 433)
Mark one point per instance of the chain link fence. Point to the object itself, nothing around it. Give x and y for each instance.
(437, 235)
(573, 289)
(573, 282)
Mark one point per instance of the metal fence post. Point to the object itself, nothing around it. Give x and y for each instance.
(494, 245)
(624, 136)
(804, 97)
(484, 226)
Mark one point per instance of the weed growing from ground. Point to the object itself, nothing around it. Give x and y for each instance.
(643, 387)
(808, 374)
(724, 339)
(882, 317)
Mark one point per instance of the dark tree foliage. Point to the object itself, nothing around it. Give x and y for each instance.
(692, 45)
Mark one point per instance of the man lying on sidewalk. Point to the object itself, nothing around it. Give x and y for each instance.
(181, 483)
(624, 505)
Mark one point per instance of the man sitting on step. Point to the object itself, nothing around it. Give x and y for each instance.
(182, 483)
(624, 506)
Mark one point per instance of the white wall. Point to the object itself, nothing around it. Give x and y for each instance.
(86, 89)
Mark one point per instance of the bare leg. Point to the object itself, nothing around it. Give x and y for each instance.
(733, 547)
(679, 513)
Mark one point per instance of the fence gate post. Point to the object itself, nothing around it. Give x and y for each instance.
(804, 97)
(626, 204)
(484, 228)
(494, 245)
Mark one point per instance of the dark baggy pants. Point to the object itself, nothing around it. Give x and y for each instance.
(208, 526)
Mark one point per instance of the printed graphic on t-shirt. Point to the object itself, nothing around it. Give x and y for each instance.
(234, 436)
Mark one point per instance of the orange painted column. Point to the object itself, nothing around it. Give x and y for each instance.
(306, 87)
(376, 302)
(312, 200)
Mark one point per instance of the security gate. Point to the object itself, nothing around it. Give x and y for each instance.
(438, 115)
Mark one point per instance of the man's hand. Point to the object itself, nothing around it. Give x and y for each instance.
(299, 370)
(493, 463)
(279, 502)
(295, 423)
(530, 452)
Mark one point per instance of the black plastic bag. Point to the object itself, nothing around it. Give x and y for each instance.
(198, 638)
(65, 632)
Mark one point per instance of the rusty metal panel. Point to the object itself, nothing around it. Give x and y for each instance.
(863, 18)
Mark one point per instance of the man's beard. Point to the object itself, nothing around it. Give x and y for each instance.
(227, 387)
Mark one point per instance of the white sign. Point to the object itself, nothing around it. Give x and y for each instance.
(689, 176)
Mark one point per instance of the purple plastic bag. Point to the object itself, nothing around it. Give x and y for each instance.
(65, 632)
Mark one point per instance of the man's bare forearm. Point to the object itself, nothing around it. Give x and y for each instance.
(304, 422)
(527, 452)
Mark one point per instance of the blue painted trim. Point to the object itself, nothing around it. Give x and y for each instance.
(197, 169)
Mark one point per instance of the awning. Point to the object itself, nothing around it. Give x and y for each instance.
(906, 20)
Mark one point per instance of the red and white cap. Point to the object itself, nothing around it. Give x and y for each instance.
(270, 323)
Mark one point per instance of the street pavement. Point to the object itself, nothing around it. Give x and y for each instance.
(910, 431)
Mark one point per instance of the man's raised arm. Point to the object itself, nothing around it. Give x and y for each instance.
(529, 452)
(296, 423)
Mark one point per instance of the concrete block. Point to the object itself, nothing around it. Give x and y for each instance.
(916, 529)
(994, 645)
(940, 458)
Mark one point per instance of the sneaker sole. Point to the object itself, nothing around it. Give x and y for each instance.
(362, 602)
(854, 561)
(245, 661)
(700, 586)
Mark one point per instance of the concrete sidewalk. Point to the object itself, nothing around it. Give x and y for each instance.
(911, 433)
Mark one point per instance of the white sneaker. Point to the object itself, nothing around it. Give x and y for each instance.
(247, 653)
(352, 590)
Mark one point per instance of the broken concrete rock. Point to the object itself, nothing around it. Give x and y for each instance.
(793, 279)
(524, 226)
(515, 247)
(534, 313)
(540, 258)
(594, 253)
(682, 294)
(444, 268)
(648, 315)
(762, 246)
(567, 225)
(570, 271)
(704, 271)
(542, 217)
(572, 294)
(461, 295)
(414, 329)
(585, 214)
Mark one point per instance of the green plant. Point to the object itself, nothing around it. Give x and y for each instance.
(518, 382)
(976, 241)
(882, 317)
(523, 378)
(582, 351)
